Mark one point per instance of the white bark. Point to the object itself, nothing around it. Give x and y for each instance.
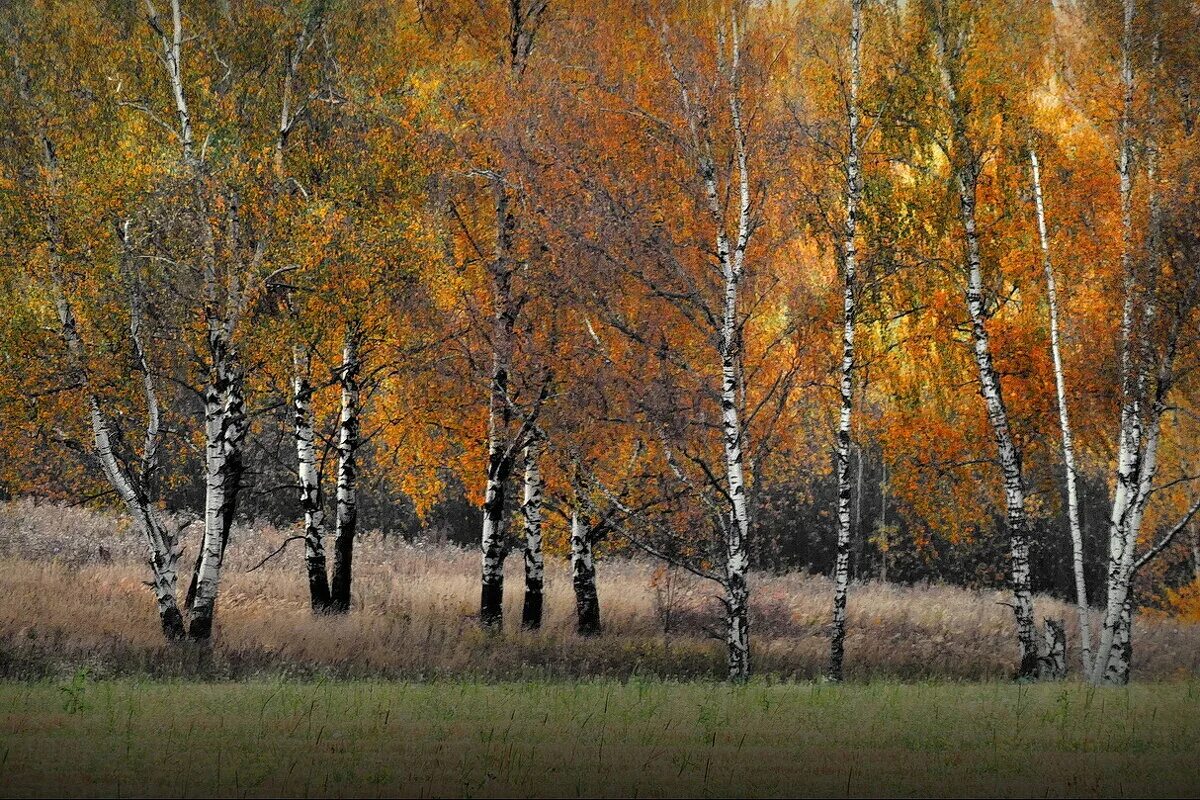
(310, 481)
(1064, 419)
(841, 570)
(583, 576)
(531, 510)
(737, 560)
(225, 429)
(162, 548)
(1122, 536)
(966, 174)
(171, 55)
(347, 480)
(492, 544)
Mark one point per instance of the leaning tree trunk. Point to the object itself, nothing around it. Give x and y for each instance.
(531, 510)
(841, 572)
(225, 428)
(310, 483)
(163, 550)
(1064, 419)
(347, 479)
(966, 174)
(583, 577)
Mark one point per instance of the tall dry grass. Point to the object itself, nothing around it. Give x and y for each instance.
(71, 595)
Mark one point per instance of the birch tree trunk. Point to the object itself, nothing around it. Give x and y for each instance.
(737, 557)
(1064, 419)
(132, 489)
(1117, 671)
(1121, 540)
(224, 428)
(310, 482)
(841, 572)
(347, 492)
(966, 173)
(531, 510)
(162, 549)
(492, 543)
(583, 577)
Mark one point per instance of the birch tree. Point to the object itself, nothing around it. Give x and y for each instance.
(1159, 297)
(131, 479)
(849, 258)
(531, 513)
(1064, 419)
(509, 428)
(951, 30)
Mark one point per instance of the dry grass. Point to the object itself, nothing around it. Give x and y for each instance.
(62, 607)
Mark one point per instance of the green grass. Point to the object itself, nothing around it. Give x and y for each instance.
(604, 738)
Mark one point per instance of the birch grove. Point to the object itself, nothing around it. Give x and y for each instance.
(590, 283)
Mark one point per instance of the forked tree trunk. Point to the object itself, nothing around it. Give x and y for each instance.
(347, 480)
(163, 551)
(531, 510)
(841, 570)
(966, 168)
(1064, 419)
(583, 577)
(1122, 536)
(310, 483)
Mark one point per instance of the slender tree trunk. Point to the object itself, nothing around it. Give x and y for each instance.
(310, 483)
(163, 551)
(1121, 539)
(1064, 419)
(225, 428)
(885, 544)
(531, 510)
(841, 571)
(492, 541)
(966, 173)
(347, 481)
(859, 570)
(583, 576)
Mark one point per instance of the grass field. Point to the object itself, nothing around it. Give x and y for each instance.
(178, 739)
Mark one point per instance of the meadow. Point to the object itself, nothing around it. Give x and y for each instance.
(596, 738)
(406, 696)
